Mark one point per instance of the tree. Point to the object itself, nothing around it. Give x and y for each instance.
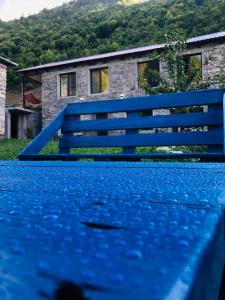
(180, 76)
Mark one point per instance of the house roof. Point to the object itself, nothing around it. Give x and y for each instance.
(202, 38)
(7, 62)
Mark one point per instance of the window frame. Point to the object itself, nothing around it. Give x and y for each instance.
(143, 62)
(59, 84)
(90, 79)
(196, 54)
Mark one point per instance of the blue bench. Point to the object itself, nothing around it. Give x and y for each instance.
(210, 135)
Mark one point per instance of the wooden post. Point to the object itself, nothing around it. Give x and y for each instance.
(8, 124)
(23, 92)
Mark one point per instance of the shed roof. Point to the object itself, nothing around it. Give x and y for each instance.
(202, 38)
(7, 62)
(18, 110)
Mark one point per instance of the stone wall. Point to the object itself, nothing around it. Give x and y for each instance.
(3, 71)
(122, 83)
(123, 78)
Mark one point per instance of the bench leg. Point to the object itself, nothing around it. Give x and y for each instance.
(63, 150)
(222, 286)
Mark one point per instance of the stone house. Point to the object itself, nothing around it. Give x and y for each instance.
(4, 64)
(14, 120)
(116, 74)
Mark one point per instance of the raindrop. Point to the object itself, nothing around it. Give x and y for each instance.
(18, 250)
(134, 254)
(88, 275)
(51, 217)
(43, 266)
(183, 243)
(137, 283)
(117, 278)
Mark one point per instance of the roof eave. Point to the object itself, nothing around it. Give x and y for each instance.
(8, 63)
(94, 58)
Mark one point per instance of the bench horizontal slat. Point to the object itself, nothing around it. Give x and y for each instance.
(192, 119)
(213, 137)
(148, 102)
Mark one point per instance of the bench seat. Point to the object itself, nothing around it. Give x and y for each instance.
(115, 230)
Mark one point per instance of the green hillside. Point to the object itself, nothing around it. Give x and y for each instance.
(85, 27)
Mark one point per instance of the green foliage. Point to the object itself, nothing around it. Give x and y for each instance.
(11, 148)
(173, 59)
(180, 77)
(87, 27)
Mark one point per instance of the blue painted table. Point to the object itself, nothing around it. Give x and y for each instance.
(117, 230)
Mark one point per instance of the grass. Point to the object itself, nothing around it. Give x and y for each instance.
(9, 149)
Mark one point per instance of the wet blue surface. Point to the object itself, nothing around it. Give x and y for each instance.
(119, 230)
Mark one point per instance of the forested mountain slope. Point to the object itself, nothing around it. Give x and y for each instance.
(86, 27)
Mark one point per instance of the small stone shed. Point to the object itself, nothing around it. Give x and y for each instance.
(4, 64)
(17, 122)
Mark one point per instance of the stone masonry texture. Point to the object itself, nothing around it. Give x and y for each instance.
(3, 71)
(123, 78)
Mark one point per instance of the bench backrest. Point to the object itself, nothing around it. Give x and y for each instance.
(134, 123)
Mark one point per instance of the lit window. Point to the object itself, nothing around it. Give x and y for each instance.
(68, 84)
(193, 65)
(99, 81)
(148, 73)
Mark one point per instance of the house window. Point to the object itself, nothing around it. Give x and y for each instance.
(148, 72)
(193, 65)
(67, 84)
(99, 81)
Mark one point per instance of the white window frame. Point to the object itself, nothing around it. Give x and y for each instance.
(144, 60)
(89, 79)
(59, 82)
(196, 54)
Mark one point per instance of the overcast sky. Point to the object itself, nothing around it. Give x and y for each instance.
(12, 9)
